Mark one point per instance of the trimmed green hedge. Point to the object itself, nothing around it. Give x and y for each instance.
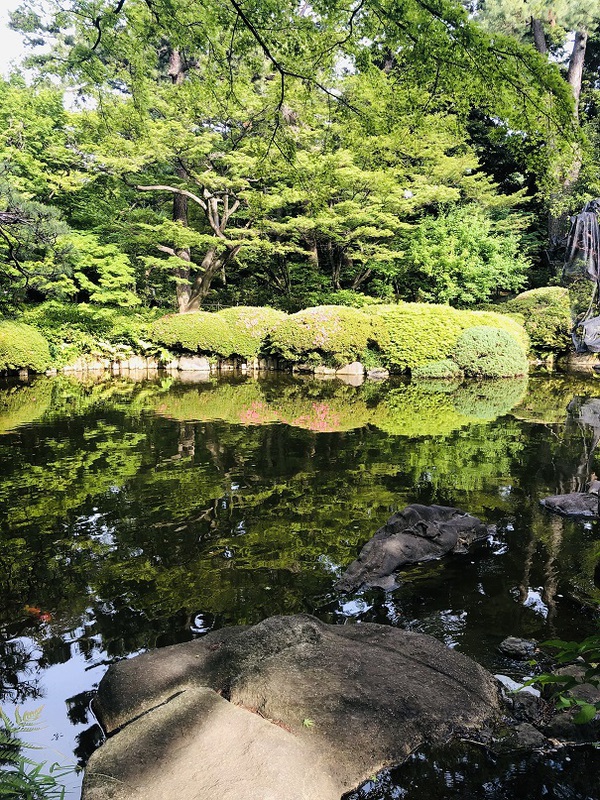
(196, 332)
(238, 331)
(445, 368)
(75, 329)
(250, 326)
(333, 335)
(21, 346)
(419, 333)
(546, 316)
(485, 352)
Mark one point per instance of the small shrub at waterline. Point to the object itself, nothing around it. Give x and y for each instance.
(546, 316)
(484, 352)
(334, 335)
(445, 368)
(22, 347)
(249, 326)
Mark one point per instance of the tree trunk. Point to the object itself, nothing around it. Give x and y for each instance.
(575, 71)
(539, 37)
(212, 264)
(557, 225)
(176, 68)
(180, 203)
(183, 288)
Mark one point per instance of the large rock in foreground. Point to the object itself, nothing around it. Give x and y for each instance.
(333, 704)
(418, 533)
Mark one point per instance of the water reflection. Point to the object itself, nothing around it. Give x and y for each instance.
(461, 771)
(135, 515)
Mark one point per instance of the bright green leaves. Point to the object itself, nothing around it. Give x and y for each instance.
(463, 258)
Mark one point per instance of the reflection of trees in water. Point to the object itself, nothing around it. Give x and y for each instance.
(18, 670)
(463, 771)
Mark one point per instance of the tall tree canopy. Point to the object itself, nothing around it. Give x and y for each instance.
(237, 143)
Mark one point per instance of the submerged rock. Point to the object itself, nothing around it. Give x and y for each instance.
(346, 701)
(520, 649)
(418, 533)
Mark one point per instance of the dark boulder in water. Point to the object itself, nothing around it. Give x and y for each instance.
(574, 504)
(418, 533)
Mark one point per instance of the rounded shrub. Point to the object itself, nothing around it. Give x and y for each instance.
(249, 326)
(445, 368)
(22, 346)
(546, 316)
(419, 333)
(332, 335)
(484, 352)
(196, 332)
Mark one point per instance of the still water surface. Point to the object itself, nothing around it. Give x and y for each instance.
(139, 514)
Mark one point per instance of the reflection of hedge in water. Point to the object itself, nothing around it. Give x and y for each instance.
(417, 409)
(411, 411)
(23, 404)
(489, 399)
(54, 398)
(461, 463)
(238, 403)
(323, 407)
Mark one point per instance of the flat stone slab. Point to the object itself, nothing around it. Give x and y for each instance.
(200, 747)
(357, 698)
(416, 534)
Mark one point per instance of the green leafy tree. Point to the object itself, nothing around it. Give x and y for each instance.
(464, 257)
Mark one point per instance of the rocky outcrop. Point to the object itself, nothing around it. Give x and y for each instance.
(418, 533)
(333, 704)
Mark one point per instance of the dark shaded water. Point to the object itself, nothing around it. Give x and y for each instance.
(135, 515)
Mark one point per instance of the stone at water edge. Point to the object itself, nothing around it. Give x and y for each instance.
(574, 504)
(200, 747)
(418, 533)
(359, 697)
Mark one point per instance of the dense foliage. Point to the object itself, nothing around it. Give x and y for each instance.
(385, 151)
(546, 316)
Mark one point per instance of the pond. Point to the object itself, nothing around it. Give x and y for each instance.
(140, 514)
